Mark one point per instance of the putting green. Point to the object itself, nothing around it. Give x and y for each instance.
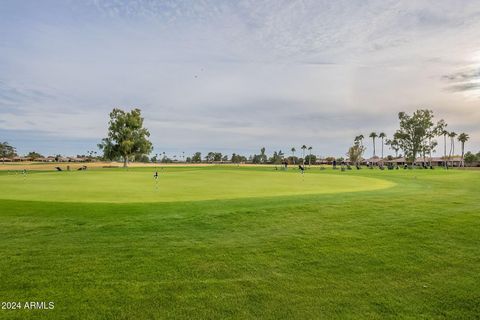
(122, 186)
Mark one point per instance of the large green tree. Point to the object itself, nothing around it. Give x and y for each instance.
(126, 136)
(197, 157)
(7, 151)
(414, 132)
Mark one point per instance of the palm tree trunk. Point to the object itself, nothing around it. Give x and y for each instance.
(463, 149)
(453, 150)
(125, 161)
(445, 165)
(382, 147)
(450, 153)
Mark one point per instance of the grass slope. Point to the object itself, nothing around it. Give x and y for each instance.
(408, 251)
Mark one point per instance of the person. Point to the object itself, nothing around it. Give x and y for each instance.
(286, 164)
(302, 168)
(155, 176)
(334, 163)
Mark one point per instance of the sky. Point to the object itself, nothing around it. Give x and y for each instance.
(235, 76)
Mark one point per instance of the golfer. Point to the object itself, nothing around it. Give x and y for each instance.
(301, 168)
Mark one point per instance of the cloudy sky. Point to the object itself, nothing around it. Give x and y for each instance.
(233, 76)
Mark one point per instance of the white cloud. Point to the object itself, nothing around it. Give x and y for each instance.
(211, 74)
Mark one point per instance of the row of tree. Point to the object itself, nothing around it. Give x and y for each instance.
(416, 136)
(127, 140)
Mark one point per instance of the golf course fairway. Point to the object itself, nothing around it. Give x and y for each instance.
(228, 242)
(176, 184)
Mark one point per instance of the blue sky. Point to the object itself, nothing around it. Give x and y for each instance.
(233, 76)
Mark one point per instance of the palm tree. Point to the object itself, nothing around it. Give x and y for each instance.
(359, 139)
(310, 157)
(293, 154)
(463, 137)
(445, 133)
(303, 153)
(452, 136)
(382, 135)
(373, 135)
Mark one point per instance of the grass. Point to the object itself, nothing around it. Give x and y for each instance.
(176, 184)
(409, 249)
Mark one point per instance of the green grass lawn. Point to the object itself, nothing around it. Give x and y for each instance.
(233, 242)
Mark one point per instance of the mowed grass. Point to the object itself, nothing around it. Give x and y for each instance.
(175, 184)
(408, 249)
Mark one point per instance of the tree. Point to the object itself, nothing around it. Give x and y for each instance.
(444, 133)
(126, 136)
(311, 158)
(304, 147)
(7, 151)
(431, 144)
(235, 158)
(142, 158)
(293, 154)
(34, 155)
(355, 153)
(217, 156)
(462, 138)
(310, 155)
(413, 132)
(470, 158)
(197, 157)
(393, 143)
(359, 139)
(382, 136)
(451, 153)
(263, 156)
(373, 135)
(210, 157)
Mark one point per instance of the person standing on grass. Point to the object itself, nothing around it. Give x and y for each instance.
(302, 168)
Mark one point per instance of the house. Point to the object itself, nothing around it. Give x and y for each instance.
(373, 160)
(18, 158)
(76, 159)
(399, 161)
(454, 161)
(43, 159)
